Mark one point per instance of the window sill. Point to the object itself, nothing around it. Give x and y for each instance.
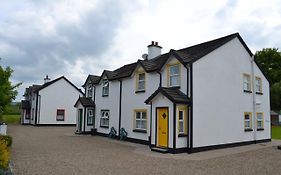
(104, 126)
(139, 130)
(60, 120)
(182, 135)
(90, 124)
(104, 95)
(260, 129)
(139, 91)
(247, 91)
(176, 87)
(248, 130)
(259, 93)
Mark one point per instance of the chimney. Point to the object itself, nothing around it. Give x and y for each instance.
(46, 79)
(153, 50)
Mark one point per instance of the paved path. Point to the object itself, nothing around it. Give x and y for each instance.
(56, 150)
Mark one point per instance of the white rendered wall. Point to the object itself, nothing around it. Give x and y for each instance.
(132, 101)
(111, 103)
(219, 102)
(33, 106)
(161, 101)
(59, 95)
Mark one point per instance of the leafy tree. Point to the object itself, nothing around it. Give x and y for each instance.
(269, 60)
(275, 96)
(8, 91)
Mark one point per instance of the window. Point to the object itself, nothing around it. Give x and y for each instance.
(181, 122)
(141, 82)
(27, 114)
(105, 87)
(90, 117)
(174, 75)
(60, 114)
(182, 119)
(248, 121)
(247, 83)
(90, 91)
(140, 120)
(104, 120)
(259, 121)
(258, 85)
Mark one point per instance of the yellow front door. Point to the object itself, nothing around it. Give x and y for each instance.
(162, 115)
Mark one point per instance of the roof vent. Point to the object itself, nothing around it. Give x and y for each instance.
(144, 56)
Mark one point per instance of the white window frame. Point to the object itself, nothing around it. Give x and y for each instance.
(90, 114)
(104, 118)
(181, 121)
(105, 87)
(174, 75)
(142, 119)
(141, 81)
(59, 115)
(258, 82)
(246, 82)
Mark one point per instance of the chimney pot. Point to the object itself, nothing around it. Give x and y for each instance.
(152, 43)
(156, 43)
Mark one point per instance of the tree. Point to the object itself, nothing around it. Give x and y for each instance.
(8, 91)
(269, 59)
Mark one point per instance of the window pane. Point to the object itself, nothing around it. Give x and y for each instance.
(143, 115)
(174, 80)
(247, 117)
(259, 116)
(138, 115)
(141, 85)
(247, 124)
(181, 127)
(143, 124)
(142, 76)
(180, 115)
(138, 124)
(174, 70)
(260, 124)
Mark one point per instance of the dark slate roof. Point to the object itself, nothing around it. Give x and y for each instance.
(93, 78)
(172, 93)
(25, 104)
(85, 101)
(55, 80)
(185, 56)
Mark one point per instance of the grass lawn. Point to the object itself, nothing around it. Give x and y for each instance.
(276, 132)
(11, 119)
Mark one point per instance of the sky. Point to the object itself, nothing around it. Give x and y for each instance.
(77, 38)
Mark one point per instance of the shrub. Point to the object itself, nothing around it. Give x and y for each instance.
(7, 139)
(4, 155)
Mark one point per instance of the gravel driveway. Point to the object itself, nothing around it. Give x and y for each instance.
(56, 150)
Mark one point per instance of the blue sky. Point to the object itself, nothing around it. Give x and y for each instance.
(77, 38)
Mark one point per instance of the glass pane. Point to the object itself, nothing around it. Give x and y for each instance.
(138, 124)
(143, 124)
(138, 115)
(174, 70)
(259, 124)
(143, 115)
(180, 115)
(181, 127)
(247, 124)
(174, 80)
(259, 116)
(141, 85)
(247, 117)
(141, 76)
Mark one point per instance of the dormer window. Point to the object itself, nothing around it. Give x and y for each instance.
(90, 91)
(174, 75)
(140, 84)
(105, 87)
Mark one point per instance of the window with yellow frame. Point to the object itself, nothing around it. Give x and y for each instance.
(260, 122)
(173, 75)
(140, 82)
(248, 121)
(182, 120)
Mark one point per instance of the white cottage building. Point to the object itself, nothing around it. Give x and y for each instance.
(50, 103)
(207, 96)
